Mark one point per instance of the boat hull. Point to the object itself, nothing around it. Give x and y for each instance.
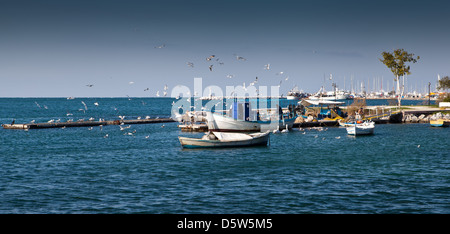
(440, 123)
(220, 123)
(289, 97)
(259, 140)
(361, 129)
(329, 98)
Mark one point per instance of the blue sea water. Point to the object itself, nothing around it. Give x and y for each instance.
(402, 168)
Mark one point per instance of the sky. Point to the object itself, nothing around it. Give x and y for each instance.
(134, 48)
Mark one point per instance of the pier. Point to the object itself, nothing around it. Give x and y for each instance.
(194, 127)
(319, 123)
(412, 114)
(84, 123)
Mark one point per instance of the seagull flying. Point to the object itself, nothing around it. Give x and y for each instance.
(240, 58)
(254, 82)
(123, 128)
(84, 104)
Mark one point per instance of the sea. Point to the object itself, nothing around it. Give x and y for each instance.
(402, 168)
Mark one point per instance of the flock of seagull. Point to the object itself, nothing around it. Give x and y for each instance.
(211, 58)
(121, 126)
(230, 76)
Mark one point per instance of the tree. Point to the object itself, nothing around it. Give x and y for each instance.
(396, 61)
(444, 83)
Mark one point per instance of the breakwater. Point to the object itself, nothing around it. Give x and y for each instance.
(423, 117)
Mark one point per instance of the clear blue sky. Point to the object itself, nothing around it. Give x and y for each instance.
(56, 48)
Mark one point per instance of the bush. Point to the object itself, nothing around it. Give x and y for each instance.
(447, 99)
(443, 98)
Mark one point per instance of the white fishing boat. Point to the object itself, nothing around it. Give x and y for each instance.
(365, 128)
(223, 123)
(226, 139)
(242, 118)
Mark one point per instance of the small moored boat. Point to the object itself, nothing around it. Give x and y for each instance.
(365, 128)
(225, 139)
(243, 119)
(440, 123)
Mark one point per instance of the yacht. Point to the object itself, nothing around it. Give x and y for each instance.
(295, 94)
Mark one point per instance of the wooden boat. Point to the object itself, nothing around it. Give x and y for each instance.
(440, 123)
(222, 123)
(365, 128)
(242, 118)
(223, 139)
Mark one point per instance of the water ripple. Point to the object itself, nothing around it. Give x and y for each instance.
(79, 171)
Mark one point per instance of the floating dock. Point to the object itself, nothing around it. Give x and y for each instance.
(197, 127)
(85, 123)
(319, 123)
